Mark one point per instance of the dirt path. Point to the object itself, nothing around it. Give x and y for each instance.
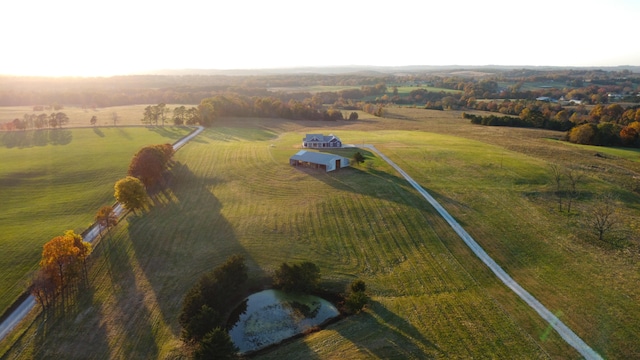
(564, 331)
(21, 310)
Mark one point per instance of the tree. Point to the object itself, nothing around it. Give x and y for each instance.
(211, 296)
(106, 218)
(60, 260)
(149, 163)
(602, 216)
(556, 174)
(62, 119)
(179, 115)
(84, 249)
(358, 285)
(353, 116)
(44, 287)
(574, 177)
(357, 299)
(303, 277)
(206, 112)
(192, 116)
(583, 134)
(358, 158)
(94, 120)
(130, 192)
(114, 117)
(216, 344)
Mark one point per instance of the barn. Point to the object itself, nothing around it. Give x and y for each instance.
(328, 162)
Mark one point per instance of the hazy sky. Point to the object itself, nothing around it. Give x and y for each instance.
(90, 38)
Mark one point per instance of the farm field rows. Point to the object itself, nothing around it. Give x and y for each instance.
(49, 188)
(233, 192)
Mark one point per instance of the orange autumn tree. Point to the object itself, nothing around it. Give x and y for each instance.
(63, 257)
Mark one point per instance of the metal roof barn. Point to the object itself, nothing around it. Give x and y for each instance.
(329, 162)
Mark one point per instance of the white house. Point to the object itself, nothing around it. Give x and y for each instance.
(328, 162)
(316, 141)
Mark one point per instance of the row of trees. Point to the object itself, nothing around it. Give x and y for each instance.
(37, 121)
(146, 171)
(606, 134)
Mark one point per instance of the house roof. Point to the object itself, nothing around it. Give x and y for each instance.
(320, 137)
(315, 157)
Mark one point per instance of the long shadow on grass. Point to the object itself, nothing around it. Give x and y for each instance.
(384, 335)
(170, 132)
(372, 182)
(31, 138)
(183, 237)
(75, 333)
(133, 314)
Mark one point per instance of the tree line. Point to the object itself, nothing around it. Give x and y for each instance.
(37, 121)
(63, 261)
(610, 125)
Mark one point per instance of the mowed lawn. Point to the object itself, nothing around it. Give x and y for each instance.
(233, 192)
(55, 180)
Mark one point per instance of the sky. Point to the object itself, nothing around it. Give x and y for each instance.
(116, 37)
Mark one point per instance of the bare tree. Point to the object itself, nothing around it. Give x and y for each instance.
(602, 217)
(114, 117)
(556, 173)
(574, 177)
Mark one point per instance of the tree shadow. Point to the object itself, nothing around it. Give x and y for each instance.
(31, 138)
(122, 132)
(182, 237)
(98, 132)
(68, 334)
(60, 136)
(388, 336)
(170, 132)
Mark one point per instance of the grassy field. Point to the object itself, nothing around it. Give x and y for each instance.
(48, 186)
(234, 192)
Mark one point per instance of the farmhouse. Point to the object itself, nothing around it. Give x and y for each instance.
(328, 162)
(321, 141)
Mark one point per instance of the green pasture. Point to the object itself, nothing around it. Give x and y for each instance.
(54, 180)
(233, 192)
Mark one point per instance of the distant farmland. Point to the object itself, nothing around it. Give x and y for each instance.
(233, 192)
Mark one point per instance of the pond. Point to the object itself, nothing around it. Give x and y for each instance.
(270, 316)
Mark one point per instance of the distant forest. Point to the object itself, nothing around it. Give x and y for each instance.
(603, 104)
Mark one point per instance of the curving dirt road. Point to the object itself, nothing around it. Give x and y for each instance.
(30, 302)
(564, 331)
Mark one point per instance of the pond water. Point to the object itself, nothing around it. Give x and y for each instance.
(270, 316)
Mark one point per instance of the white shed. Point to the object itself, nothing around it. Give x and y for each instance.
(329, 162)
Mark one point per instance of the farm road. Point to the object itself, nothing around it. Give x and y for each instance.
(29, 303)
(564, 331)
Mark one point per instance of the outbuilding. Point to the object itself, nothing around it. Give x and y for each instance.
(328, 162)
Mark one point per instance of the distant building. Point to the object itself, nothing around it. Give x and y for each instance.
(312, 159)
(315, 141)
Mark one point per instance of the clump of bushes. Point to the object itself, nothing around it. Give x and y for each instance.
(356, 299)
(205, 306)
(301, 278)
